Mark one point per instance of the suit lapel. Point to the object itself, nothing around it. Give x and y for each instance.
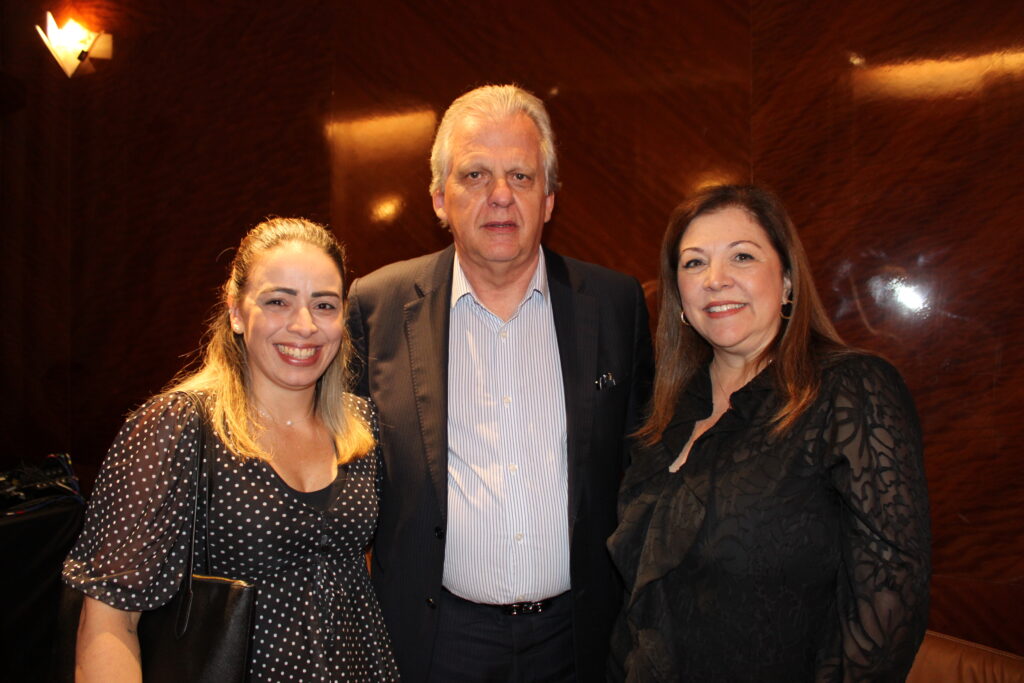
(574, 310)
(426, 329)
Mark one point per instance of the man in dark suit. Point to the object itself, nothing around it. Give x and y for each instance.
(506, 378)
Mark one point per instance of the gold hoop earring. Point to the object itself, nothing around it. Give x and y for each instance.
(682, 316)
(786, 312)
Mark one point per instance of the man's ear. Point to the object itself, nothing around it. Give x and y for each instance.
(439, 210)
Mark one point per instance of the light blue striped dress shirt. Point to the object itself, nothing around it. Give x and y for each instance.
(508, 522)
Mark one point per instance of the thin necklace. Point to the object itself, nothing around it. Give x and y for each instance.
(286, 423)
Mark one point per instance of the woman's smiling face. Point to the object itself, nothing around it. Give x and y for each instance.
(731, 282)
(290, 316)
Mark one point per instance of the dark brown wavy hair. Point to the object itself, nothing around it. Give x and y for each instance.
(802, 340)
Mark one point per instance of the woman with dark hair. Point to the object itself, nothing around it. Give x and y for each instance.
(293, 500)
(774, 520)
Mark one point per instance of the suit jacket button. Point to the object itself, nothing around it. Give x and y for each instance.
(439, 532)
(431, 603)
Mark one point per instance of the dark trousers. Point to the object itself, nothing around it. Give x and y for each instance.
(482, 643)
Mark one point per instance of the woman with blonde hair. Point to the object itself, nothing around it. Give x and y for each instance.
(295, 479)
(773, 523)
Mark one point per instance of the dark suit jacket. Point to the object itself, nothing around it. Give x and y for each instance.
(398, 320)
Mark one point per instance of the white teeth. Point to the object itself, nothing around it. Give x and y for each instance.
(292, 352)
(724, 307)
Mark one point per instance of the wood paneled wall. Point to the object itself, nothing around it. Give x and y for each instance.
(893, 132)
(890, 129)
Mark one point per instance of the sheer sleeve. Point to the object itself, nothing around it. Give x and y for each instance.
(378, 452)
(131, 552)
(877, 469)
(367, 410)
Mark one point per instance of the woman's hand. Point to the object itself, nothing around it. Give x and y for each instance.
(108, 645)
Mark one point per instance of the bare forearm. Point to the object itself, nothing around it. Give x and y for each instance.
(108, 646)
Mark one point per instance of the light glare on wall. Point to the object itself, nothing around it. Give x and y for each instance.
(897, 288)
(377, 137)
(370, 156)
(73, 44)
(386, 209)
(933, 77)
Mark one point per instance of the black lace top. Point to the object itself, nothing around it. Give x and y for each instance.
(800, 558)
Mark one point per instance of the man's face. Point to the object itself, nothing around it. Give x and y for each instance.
(494, 196)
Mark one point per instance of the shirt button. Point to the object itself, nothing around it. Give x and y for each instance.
(518, 537)
(506, 400)
(513, 467)
(431, 603)
(503, 334)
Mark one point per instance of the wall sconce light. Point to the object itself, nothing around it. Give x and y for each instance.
(74, 44)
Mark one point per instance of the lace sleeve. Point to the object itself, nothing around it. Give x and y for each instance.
(131, 552)
(878, 472)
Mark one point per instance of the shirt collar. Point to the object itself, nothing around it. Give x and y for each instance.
(461, 286)
(695, 402)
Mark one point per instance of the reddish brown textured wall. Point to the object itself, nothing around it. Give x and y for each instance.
(893, 132)
(890, 129)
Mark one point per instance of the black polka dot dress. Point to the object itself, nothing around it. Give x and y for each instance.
(317, 618)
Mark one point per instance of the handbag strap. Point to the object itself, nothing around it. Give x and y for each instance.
(201, 463)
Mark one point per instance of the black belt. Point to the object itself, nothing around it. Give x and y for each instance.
(517, 608)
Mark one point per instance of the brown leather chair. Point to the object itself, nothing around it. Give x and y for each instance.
(945, 659)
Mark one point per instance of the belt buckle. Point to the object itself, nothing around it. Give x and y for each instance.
(517, 608)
